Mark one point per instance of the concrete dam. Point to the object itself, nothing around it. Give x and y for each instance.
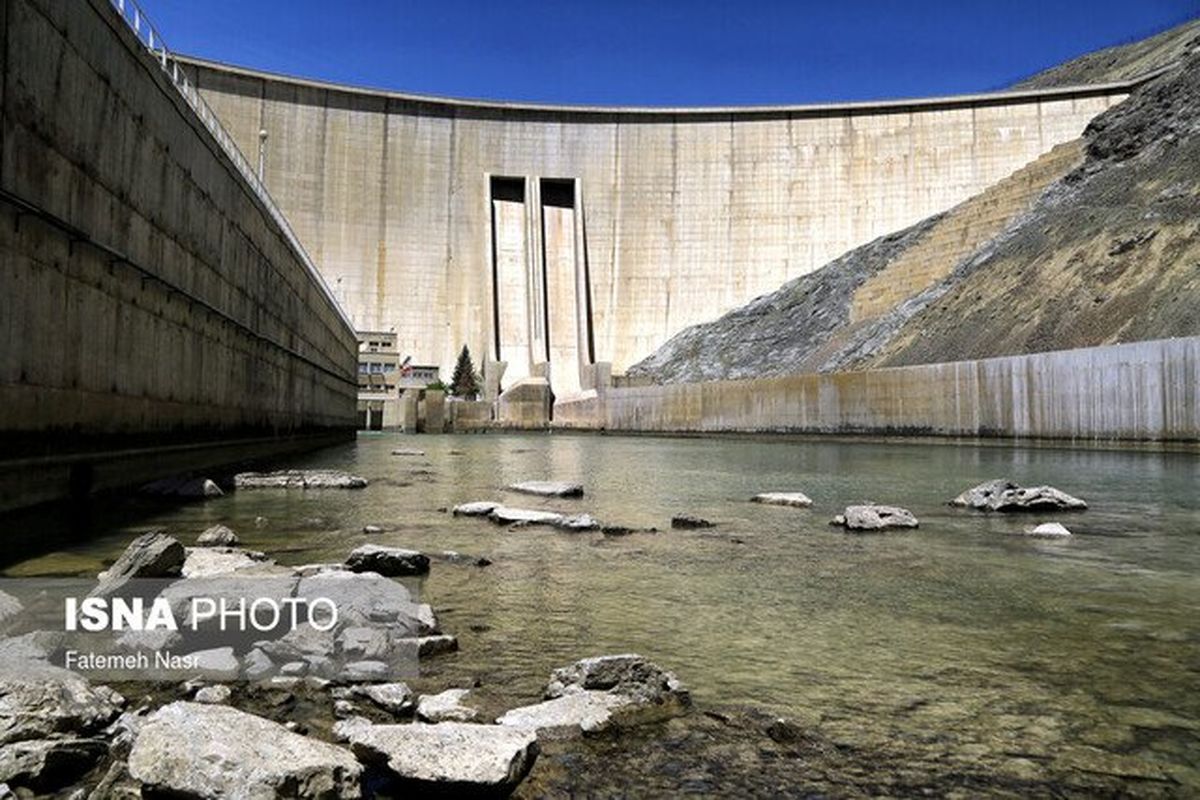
(570, 241)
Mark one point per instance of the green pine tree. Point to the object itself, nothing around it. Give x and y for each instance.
(465, 383)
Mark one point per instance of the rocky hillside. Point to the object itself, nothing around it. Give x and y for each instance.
(1095, 243)
(1121, 62)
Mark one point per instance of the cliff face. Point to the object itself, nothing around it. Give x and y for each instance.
(1093, 244)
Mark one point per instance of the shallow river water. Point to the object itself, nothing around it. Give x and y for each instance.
(959, 640)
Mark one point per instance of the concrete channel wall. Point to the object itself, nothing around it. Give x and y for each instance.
(438, 218)
(149, 305)
(1145, 391)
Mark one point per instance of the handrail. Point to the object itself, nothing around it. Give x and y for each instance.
(137, 21)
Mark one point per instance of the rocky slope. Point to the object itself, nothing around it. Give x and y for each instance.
(1095, 243)
(1121, 62)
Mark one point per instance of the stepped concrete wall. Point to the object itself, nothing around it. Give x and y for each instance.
(152, 315)
(1145, 391)
(679, 216)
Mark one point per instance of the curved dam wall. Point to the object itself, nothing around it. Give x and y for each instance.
(555, 237)
(1144, 391)
(154, 317)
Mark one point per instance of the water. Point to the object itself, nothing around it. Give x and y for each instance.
(955, 641)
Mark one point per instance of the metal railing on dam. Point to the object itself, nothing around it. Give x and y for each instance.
(137, 21)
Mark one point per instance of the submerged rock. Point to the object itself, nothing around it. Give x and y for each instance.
(454, 557)
(689, 522)
(477, 509)
(194, 750)
(388, 561)
(548, 488)
(794, 499)
(449, 758)
(446, 706)
(503, 515)
(407, 451)
(1004, 495)
(1048, 530)
(217, 535)
(875, 518)
(299, 479)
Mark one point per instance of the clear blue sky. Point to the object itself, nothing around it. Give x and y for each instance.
(642, 52)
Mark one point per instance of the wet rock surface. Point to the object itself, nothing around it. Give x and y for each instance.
(299, 479)
(689, 522)
(387, 561)
(1004, 495)
(875, 518)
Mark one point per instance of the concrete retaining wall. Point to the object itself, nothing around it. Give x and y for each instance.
(146, 296)
(681, 214)
(1147, 391)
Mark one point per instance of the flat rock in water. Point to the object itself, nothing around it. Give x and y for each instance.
(689, 522)
(478, 509)
(299, 479)
(628, 674)
(458, 758)
(1004, 495)
(407, 451)
(578, 522)
(388, 561)
(209, 562)
(447, 706)
(548, 488)
(875, 518)
(455, 557)
(395, 698)
(218, 535)
(794, 499)
(202, 751)
(368, 599)
(568, 716)
(503, 515)
(1048, 530)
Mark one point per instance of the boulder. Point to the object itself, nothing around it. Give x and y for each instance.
(793, 499)
(218, 693)
(578, 522)
(388, 561)
(44, 765)
(628, 674)
(446, 706)
(217, 535)
(1004, 495)
(477, 509)
(395, 698)
(192, 750)
(40, 701)
(370, 600)
(447, 759)
(570, 715)
(689, 522)
(503, 515)
(1048, 530)
(548, 488)
(299, 479)
(151, 555)
(875, 518)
